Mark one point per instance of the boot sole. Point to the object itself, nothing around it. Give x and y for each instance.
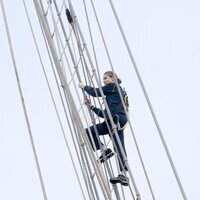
(118, 181)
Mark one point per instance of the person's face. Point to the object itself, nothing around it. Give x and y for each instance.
(107, 79)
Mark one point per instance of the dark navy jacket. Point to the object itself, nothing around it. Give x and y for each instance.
(112, 98)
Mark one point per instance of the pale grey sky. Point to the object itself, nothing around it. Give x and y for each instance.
(164, 39)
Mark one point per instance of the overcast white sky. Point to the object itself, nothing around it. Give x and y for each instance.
(164, 38)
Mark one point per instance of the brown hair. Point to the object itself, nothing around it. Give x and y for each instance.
(113, 75)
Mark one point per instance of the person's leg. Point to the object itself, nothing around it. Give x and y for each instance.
(122, 177)
(120, 149)
(120, 121)
(101, 129)
(121, 152)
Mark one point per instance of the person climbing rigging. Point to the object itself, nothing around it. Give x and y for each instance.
(117, 111)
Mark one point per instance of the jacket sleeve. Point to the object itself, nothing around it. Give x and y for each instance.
(97, 111)
(95, 92)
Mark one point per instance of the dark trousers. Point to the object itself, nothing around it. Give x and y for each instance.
(102, 129)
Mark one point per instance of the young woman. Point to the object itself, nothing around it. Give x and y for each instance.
(116, 108)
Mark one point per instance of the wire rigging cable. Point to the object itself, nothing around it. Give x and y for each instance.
(53, 100)
(134, 137)
(149, 103)
(23, 103)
